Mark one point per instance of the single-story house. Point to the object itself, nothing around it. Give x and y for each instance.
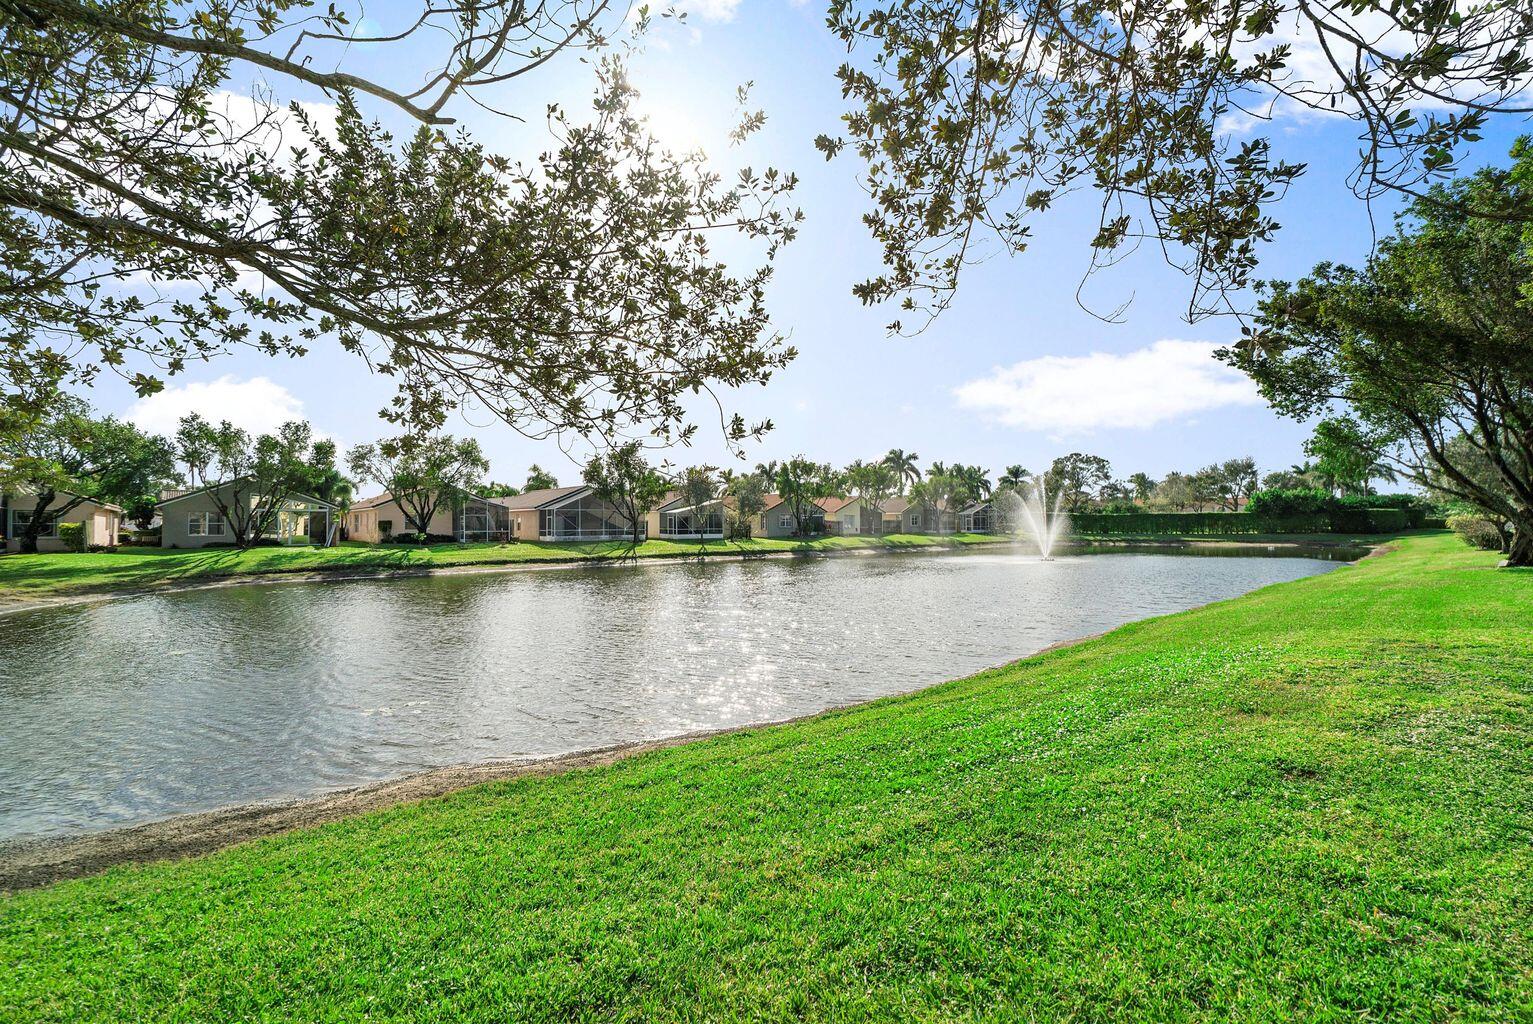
(101, 519)
(901, 515)
(381, 518)
(565, 514)
(675, 519)
(777, 518)
(854, 516)
(977, 518)
(192, 519)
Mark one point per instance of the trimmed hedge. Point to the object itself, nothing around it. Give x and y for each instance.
(1210, 524)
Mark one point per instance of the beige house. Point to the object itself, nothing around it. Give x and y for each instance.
(675, 519)
(102, 521)
(381, 518)
(193, 520)
(565, 514)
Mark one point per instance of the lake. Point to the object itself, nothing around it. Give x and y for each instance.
(137, 709)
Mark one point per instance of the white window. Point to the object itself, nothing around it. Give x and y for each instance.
(204, 524)
(915, 519)
(21, 520)
(785, 521)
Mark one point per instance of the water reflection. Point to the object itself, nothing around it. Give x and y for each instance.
(132, 710)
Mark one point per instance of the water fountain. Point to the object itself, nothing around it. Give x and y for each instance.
(1034, 516)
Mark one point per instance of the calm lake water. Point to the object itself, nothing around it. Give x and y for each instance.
(142, 708)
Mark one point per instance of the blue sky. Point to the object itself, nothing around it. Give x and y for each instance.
(1014, 372)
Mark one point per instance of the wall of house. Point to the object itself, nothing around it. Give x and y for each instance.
(524, 524)
(101, 524)
(770, 522)
(174, 531)
(366, 524)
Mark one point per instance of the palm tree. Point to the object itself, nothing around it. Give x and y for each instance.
(1143, 485)
(904, 465)
(977, 480)
(1014, 478)
(768, 472)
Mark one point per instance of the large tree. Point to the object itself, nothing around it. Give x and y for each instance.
(1426, 343)
(249, 480)
(69, 456)
(1075, 480)
(873, 483)
(1349, 455)
(699, 487)
(973, 116)
(622, 478)
(905, 465)
(801, 484)
(181, 179)
(423, 473)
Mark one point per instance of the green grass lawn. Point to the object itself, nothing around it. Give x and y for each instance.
(1314, 802)
(52, 575)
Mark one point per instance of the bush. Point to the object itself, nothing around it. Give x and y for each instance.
(72, 536)
(1476, 531)
(739, 528)
(1284, 504)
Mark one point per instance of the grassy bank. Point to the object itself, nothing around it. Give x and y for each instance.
(25, 577)
(1313, 802)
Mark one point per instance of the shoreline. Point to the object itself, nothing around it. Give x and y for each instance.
(37, 862)
(16, 606)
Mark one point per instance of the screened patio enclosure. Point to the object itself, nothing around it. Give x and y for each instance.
(481, 520)
(301, 522)
(585, 517)
(699, 522)
(977, 519)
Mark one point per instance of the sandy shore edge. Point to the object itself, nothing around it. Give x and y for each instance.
(31, 863)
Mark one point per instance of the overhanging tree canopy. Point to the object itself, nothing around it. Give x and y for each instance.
(1428, 344)
(974, 115)
(153, 212)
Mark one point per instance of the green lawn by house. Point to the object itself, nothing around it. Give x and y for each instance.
(1314, 802)
(53, 575)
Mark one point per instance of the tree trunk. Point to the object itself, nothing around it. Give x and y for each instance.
(1520, 553)
(34, 527)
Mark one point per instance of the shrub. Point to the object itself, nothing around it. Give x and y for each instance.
(1119, 508)
(739, 528)
(1476, 531)
(1282, 504)
(72, 536)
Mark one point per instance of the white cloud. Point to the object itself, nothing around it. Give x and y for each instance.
(1061, 395)
(258, 405)
(711, 10)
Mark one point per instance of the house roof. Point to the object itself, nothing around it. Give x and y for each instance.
(896, 505)
(86, 499)
(974, 508)
(773, 500)
(539, 498)
(674, 502)
(223, 483)
(834, 505)
(373, 502)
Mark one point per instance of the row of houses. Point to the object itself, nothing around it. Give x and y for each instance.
(191, 519)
